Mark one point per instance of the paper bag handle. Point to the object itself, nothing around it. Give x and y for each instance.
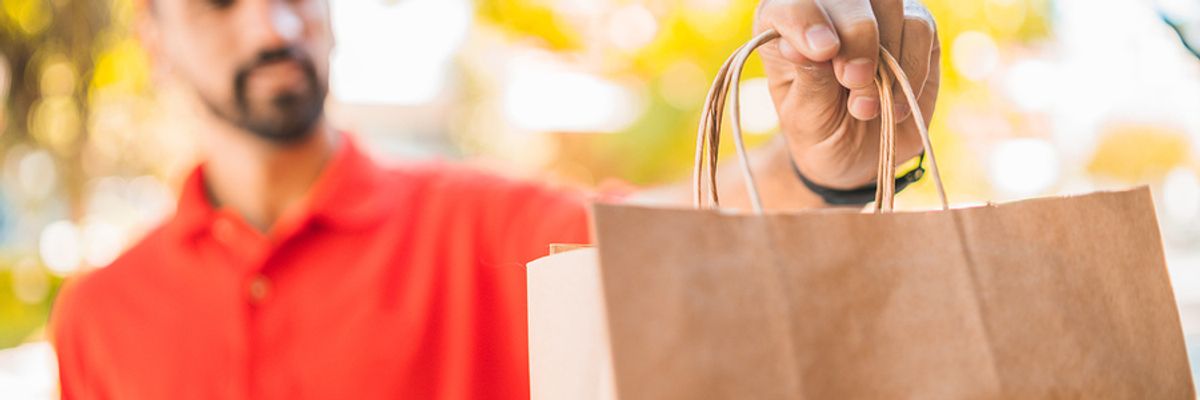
(728, 77)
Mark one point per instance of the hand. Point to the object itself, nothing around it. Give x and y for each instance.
(821, 74)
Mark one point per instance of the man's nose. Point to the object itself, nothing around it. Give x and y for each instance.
(275, 23)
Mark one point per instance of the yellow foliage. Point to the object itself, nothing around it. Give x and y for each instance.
(1136, 153)
(123, 67)
(31, 16)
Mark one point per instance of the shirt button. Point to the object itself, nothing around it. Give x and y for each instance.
(259, 288)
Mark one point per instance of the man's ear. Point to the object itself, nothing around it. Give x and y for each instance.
(329, 24)
(147, 28)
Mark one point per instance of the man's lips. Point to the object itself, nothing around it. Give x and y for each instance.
(276, 75)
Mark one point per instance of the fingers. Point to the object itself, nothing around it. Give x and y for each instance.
(917, 47)
(849, 33)
(889, 14)
(798, 68)
(808, 34)
(907, 136)
(855, 64)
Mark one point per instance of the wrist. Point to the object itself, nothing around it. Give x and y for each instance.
(860, 195)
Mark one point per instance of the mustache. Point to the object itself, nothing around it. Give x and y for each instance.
(271, 56)
(268, 57)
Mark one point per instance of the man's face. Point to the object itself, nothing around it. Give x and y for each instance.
(261, 65)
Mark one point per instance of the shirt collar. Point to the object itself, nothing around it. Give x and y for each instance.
(347, 195)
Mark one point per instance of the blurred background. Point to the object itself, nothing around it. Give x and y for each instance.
(1039, 97)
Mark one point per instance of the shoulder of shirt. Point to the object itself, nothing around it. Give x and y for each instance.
(94, 288)
(466, 182)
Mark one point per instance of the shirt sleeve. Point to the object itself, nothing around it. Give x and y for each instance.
(535, 216)
(65, 336)
(503, 221)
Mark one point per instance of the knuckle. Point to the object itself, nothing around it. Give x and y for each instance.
(868, 91)
(765, 12)
(818, 76)
(913, 62)
(781, 14)
(782, 7)
(862, 31)
(919, 26)
(765, 5)
(888, 4)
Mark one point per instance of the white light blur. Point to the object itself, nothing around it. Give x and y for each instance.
(1182, 9)
(1125, 65)
(1024, 167)
(107, 197)
(1181, 195)
(975, 55)
(544, 96)
(758, 111)
(60, 248)
(29, 371)
(153, 200)
(117, 210)
(395, 53)
(578, 7)
(102, 242)
(36, 174)
(1032, 85)
(631, 27)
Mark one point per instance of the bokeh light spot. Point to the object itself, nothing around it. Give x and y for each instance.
(631, 27)
(975, 55)
(60, 247)
(1181, 195)
(1024, 167)
(758, 111)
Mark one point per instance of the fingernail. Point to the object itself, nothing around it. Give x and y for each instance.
(858, 73)
(820, 38)
(864, 107)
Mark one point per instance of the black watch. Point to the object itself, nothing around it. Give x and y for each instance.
(859, 196)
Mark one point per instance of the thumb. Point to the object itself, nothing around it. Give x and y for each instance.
(807, 95)
(804, 86)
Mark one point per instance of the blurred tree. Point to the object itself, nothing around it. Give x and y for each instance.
(49, 47)
(41, 35)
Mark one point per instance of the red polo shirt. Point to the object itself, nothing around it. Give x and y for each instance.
(385, 284)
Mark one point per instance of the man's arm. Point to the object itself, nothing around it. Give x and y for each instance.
(65, 335)
(774, 176)
(821, 80)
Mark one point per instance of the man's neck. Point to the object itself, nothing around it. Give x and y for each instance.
(262, 180)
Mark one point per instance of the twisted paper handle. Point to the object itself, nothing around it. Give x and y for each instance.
(709, 132)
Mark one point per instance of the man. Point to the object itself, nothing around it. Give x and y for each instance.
(295, 267)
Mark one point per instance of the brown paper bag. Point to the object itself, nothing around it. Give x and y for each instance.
(1048, 298)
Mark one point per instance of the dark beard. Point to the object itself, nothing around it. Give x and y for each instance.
(287, 118)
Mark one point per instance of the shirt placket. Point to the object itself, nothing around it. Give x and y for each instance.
(248, 252)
